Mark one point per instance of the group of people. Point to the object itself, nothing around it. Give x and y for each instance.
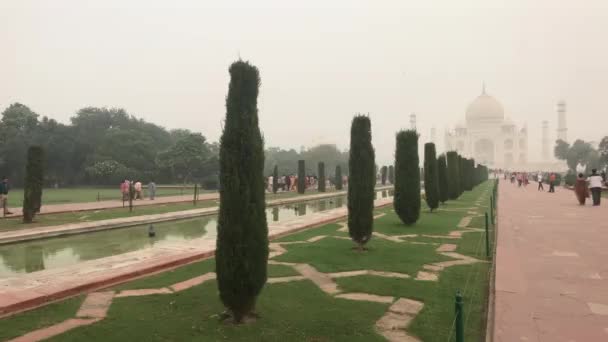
(125, 190)
(524, 178)
(4, 188)
(290, 183)
(592, 184)
(584, 187)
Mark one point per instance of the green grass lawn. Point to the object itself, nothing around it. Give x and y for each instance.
(299, 310)
(93, 194)
(88, 194)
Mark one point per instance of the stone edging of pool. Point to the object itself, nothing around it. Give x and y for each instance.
(28, 298)
(15, 236)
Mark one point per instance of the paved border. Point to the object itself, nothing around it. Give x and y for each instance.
(15, 236)
(29, 299)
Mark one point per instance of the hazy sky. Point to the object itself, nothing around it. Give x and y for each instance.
(320, 62)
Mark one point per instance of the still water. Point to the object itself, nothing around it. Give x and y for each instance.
(60, 252)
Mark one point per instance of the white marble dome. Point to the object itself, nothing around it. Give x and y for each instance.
(485, 108)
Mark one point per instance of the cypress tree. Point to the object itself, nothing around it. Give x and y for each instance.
(383, 174)
(338, 177)
(431, 177)
(442, 171)
(301, 177)
(471, 174)
(275, 179)
(362, 181)
(321, 176)
(391, 174)
(453, 175)
(34, 179)
(461, 181)
(241, 255)
(407, 177)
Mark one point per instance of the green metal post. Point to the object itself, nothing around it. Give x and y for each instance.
(492, 211)
(487, 238)
(459, 318)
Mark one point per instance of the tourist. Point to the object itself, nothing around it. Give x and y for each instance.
(552, 178)
(595, 184)
(580, 189)
(4, 188)
(138, 188)
(124, 190)
(152, 190)
(287, 183)
(520, 179)
(539, 178)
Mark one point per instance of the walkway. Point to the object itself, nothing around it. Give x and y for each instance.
(33, 289)
(69, 207)
(551, 270)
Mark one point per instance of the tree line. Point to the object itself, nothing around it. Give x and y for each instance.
(242, 241)
(104, 146)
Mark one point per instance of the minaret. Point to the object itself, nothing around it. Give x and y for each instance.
(413, 121)
(545, 152)
(562, 130)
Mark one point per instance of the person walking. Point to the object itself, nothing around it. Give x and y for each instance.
(552, 182)
(124, 190)
(138, 189)
(152, 190)
(580, 189)
(4, 188)
(595, 184)
(539, 178)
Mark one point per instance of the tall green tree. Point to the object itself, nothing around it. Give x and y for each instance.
(34, 180)
(301, 177)
(321, 176)
(275, 179)
(442, 176)
(391, 174)
(362, 181)
(241, 255)
(453, 175)
(431, 176)
(383, 174)
(338, 177)
(461, 174)
(561, 149)
(407, 177)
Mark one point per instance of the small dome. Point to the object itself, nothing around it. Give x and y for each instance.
(485, 108)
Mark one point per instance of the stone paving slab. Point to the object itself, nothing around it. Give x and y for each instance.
(96, 305)
(551, 273)
(54, 330)
(29, 290)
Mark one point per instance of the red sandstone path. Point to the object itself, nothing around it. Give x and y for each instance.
(68, 207)
(551, 268)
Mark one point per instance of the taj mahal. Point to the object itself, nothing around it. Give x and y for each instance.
(492, 139)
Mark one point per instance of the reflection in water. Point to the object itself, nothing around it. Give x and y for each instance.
(59, 252)
(301, 209)
(275, 214)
